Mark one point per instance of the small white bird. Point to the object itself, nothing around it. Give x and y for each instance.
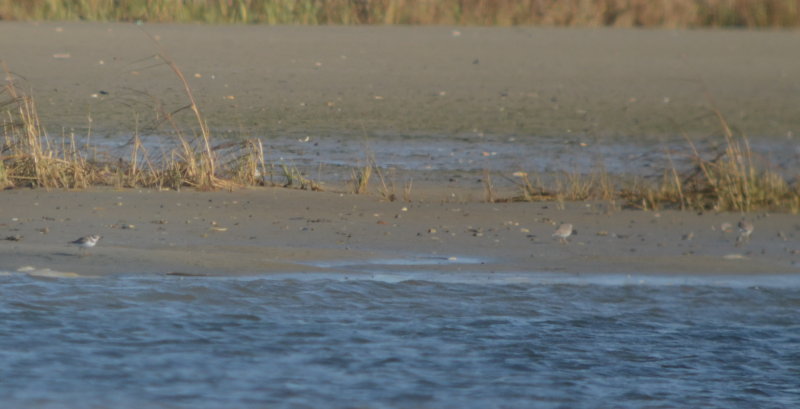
(745, 230)
(564, 231)
(86, 242)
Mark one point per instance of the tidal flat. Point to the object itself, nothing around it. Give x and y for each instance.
(274, 231)
(437, 110)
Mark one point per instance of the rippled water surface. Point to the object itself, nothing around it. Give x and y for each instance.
(426, 155)
(399, 342)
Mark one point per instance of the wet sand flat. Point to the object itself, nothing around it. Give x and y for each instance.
(605, 85)
(289, 231)
(529, 82)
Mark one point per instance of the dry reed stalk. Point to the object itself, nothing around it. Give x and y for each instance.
(140, 158)
(33, 160)
(407, 188)
(386, 192)
(525, 187)
(360, 178)
(575, 186)
(202, 171)
(30, 158)
(602, 186)
(488, 187)
(675, 182)
(250, 168)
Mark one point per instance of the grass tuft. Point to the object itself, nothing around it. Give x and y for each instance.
(360, 178)
(30, 158)
(730, 180)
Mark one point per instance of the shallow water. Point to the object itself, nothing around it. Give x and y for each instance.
(332, 158)
(400, 341)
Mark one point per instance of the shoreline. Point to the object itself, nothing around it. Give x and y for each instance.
(275, 230)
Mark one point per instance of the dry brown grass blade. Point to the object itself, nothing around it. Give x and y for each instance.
(203, 171)
(30, 158)
(488, 187)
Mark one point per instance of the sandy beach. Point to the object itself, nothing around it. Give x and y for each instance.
(620, 86)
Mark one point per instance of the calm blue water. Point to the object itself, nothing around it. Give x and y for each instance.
(395, 342)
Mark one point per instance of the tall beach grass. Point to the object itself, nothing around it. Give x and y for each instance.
(618, 13)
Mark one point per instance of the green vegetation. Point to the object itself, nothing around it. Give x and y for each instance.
(618, 13)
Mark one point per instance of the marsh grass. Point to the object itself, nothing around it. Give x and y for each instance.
(732, 179)
(563, 186)
(360, 177)
(296, 179)
(387, 188)
(408, 188)
(29, 157)
(593, 13)
(249, 168)
(198, 165)
(489, 191)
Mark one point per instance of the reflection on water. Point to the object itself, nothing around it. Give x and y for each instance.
(470, 341)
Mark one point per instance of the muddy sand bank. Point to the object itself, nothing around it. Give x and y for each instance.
(577, 87)
(288, 231)
(319, 81)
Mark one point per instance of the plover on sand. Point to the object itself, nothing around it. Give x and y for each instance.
(745, 230)
(564, 231)
(86, 242)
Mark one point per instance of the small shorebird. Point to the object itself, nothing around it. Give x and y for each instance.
(564, 231)
(86, 242)
(745, 230)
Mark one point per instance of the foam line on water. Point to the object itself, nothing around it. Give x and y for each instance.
(541, 278)
(399, 261)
